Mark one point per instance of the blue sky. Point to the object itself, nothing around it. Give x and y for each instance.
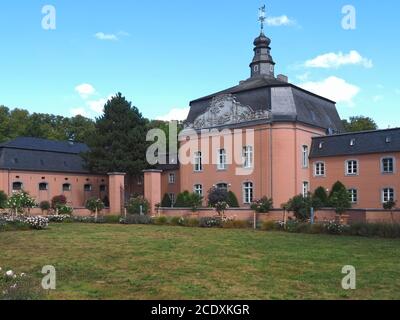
(163, 54)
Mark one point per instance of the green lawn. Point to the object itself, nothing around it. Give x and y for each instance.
(150, 262)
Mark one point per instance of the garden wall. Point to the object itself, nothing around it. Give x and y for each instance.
(355, 215)
(80, 212)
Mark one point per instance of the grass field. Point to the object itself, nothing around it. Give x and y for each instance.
(150, 262)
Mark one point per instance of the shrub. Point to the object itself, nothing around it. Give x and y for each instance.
(300, 206)
(136, 219)
(317, 228)
(20, 201)
(332, 227)
(210, 222)
(58, 201)
(38, 223)
(221, 207)
(338, 186)
(268, 226)
(136, 203)
(160, 221)
(166, 201)
(232, 200)
(320, 195)
(192, 222)
(174, 221)
(340, 201)
(235, 224)
(65, 210)
(111, 219)
(264, 205)
(45, 206)
(60, 218)
(182, 200)
(94, 205)
(216, 195)
(384, 230)
(3, 200)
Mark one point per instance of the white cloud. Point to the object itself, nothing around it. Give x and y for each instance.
(333, 88)
(377, 98)
(79, 111)
(336, 60)
(104, 36)
(280, 21)
(85, 90)
(98, 105)
(175, 114)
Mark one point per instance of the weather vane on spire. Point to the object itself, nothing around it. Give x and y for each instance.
(262, 17)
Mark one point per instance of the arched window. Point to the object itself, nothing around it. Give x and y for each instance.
(17, 186)
(66, 187)
(43, 186)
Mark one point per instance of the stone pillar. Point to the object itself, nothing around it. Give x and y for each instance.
(152, 188)
(116, 191)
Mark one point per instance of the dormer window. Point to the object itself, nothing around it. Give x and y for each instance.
(352, 142)
(388, 140)
(321, 145)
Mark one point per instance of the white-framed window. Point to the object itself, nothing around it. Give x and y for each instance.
(221, 160)
(140, 181)
(103, 188)
(387, 165)
(171, 178)
(17, 186)
(319, 169)
(351, 167)
(248, 157)
(353, 194)
(306, 188)
(198, 188)
(304, 157)
(66, 187)
(43, 186)
(172, 197)
(87, 187)
(387, 195)
(198, 162)
(248, 192)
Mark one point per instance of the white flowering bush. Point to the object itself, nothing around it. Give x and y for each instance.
(20, 201)
(18, 286)
(60, 218)
(38, 223)
(11, 223)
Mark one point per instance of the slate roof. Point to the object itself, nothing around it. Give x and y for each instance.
(367, 142)
(286, 101)
(33, 154)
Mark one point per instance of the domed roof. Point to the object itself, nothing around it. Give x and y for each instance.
(262, 40)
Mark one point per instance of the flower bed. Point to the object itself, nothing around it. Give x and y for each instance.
(11, 223)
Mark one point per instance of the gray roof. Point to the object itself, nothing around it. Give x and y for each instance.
(286, 101)
(33, 154)
(367, 142)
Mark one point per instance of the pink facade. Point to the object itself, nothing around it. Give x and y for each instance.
(369, 181)
(43, 186)
(278, 170)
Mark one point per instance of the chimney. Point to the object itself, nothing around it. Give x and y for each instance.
(283, 78)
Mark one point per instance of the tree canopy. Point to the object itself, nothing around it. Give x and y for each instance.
(119, 140)
(359, 123)
(20, 123)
